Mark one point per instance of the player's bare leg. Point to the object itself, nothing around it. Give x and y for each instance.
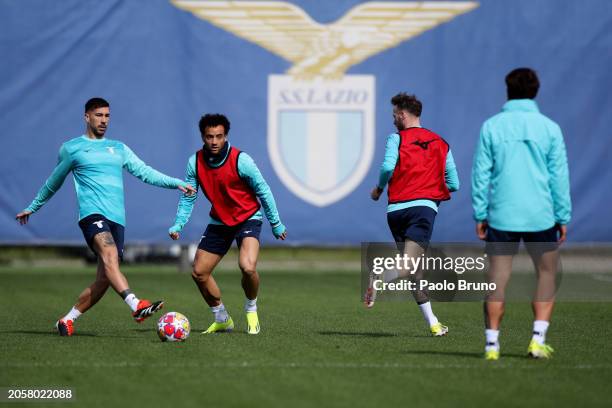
(414, 250)
(249, 251)
(203, 266)
(88, 297)
(106, 249)
(546, 265)
(500, 268)
(108, 259)
(107, 274)
(411, 249)
(92, 294)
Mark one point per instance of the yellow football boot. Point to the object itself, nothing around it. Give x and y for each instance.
(252, 323)
(537, 350)
(220, 327)
(492, 355)
(438, 330)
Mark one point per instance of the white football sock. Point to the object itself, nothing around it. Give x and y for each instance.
(73, 314)
(430, 318)
(250, 305)
(132, 301)
(220, 313)
(539, 331)
(492, 337)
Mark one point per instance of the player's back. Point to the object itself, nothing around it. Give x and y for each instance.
(521, 141)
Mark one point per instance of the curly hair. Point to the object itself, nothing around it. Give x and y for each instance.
(213, 120)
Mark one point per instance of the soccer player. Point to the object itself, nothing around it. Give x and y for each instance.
(232, 183)
(421, 173)
(520, 190)
(96, 164)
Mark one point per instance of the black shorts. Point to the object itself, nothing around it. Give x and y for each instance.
(218, 239)
(413, 223)
(507, 242)
(94, 224)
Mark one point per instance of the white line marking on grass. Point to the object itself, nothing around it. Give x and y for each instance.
(442, 366)
(602, 278)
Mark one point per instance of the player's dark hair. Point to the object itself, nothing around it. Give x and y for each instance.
(213, 120)
(95, 103)
(408, 103)
(522, 83)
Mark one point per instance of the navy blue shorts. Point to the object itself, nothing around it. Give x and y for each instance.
(507, 242)
(94, 224)
(413, 223)
(218, 239)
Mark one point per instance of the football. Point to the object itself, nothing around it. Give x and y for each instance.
(173, 326)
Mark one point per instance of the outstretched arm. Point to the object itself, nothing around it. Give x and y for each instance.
(149, 175)
(53, 183)
(185, 205)
(247, 169)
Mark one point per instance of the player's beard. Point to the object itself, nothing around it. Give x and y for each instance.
(98, 132)
(398, 125)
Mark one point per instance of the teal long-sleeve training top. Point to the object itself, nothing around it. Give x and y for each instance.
(97, 167)
(520, 176)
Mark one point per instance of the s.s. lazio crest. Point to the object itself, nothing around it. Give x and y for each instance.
(320, 120)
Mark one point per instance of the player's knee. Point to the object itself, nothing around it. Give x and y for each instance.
(195, 274)
(248, 268)
(547, 272)
(200, 274)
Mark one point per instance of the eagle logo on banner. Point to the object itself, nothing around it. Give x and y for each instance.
(320, 120)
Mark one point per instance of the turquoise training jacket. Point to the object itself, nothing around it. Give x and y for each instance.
(97, 167)
(520, 177)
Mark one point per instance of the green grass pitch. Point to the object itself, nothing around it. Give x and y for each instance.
(318, 347)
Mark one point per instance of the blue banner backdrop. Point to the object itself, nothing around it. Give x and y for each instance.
(306, 86)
